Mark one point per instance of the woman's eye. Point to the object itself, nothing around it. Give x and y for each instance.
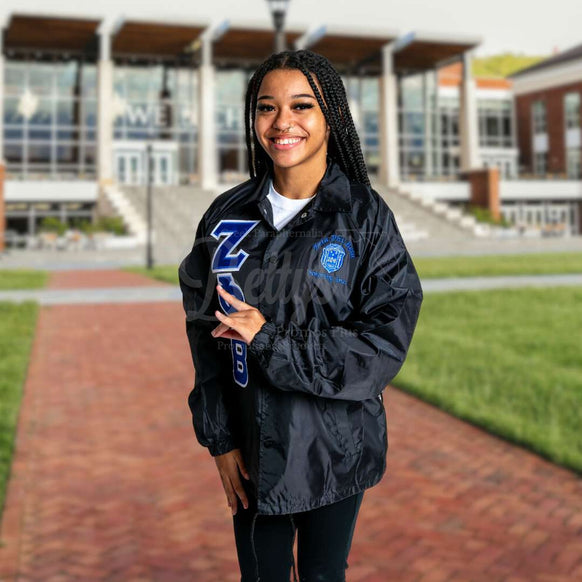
(300, 106)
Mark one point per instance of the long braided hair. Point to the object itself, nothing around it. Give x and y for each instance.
(344, 143)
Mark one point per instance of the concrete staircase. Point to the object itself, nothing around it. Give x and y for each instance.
(446, 220)
(122, 205)
(176, 213)
(178, 209)
(419, 219)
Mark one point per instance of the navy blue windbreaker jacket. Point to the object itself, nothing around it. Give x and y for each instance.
(341, 296)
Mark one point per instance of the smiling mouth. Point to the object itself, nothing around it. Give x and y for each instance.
(285, 140)
(285, 143)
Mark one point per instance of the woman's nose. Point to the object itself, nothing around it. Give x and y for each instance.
(282, 121)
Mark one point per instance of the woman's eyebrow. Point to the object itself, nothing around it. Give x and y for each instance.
(292, 96)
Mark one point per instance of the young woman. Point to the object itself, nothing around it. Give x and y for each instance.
(301, 301)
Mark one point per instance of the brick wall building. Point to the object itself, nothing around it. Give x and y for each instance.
(547, 105)
(556, 123)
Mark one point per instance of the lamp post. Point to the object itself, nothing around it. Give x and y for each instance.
(278, 11)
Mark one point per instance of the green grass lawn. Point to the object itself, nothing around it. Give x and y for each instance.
(22, 279)
(507, 360)
(428, 268)
(166, 273)
(445, 267)
(16, 334)
(497, 265)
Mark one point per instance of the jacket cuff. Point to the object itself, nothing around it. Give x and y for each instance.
(222, 447)
(263, 340)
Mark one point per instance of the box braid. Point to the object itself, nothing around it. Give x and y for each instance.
(344, 143)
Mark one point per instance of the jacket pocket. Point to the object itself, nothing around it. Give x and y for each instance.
(347, 417)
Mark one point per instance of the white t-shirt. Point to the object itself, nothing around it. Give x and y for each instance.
(284, 208)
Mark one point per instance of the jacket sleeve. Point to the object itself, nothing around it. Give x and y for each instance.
(209, 400)
(356, 360)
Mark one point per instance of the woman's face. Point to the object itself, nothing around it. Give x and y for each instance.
(289, 123)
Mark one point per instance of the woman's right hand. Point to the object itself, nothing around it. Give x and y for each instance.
(228, 468)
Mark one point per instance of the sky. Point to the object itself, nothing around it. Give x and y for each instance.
(531, 28)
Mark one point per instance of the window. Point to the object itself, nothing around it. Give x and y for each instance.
(540, 163)
(50, 118)
(572, 110)
(573, 157)
(572, 134)
(539, 117)
(495, 123)
(365, 91)
(158, 102)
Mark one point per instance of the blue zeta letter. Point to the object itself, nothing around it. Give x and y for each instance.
(238, 347)
(225, 260)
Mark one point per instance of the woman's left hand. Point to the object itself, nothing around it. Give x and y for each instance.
(241, 324)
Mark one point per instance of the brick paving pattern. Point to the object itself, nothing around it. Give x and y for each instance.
(99, 278)
(109, 484)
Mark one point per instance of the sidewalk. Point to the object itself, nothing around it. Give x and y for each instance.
(138, 289)
(111, 259)
(109, 484)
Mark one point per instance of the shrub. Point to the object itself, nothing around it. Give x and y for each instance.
(83, 224)
(52, 224)
(111, 224)
(484, 215)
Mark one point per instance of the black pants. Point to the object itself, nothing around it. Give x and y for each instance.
(324, 538)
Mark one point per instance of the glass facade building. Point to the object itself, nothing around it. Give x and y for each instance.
(50, 122)
(155, 103)
(88, 115)
(50, 117)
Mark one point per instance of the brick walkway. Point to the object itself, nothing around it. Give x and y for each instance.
(109, 483)
(99, 278)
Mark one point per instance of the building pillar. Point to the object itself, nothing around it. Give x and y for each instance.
(484, 189)
(2, 60)
(2, 207)
(2, 163)
(32, 220)
(515, 168)
(207, 153)
(428, 113)
(388, 121)
(105, 111)
(438, 168)
(468, 120)
(354, 95)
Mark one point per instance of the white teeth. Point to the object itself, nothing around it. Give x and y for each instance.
(287, 141)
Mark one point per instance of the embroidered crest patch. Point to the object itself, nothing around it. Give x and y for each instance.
(335, 251)
(332, 257)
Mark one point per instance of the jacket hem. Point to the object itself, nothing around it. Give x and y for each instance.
(327, 498)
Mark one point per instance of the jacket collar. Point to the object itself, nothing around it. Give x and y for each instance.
(333, 194)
